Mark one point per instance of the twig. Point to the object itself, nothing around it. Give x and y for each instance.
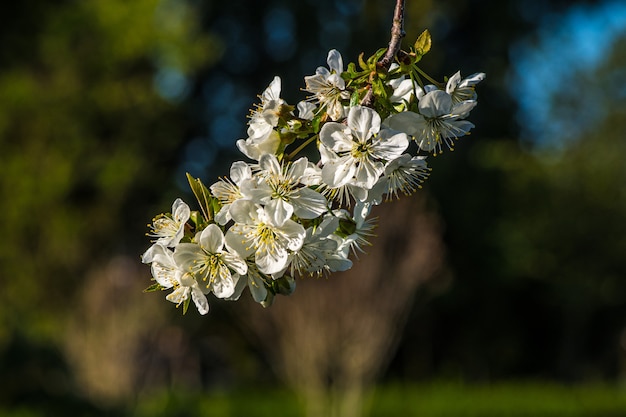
(397, 33)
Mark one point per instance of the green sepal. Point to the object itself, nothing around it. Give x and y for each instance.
(423, 43)
(199, 221)
(154, 287)
(186, 305)
(354, 98)
(284, 285)
(316, 122)
(380, 88)
(362, 63)
(203, 195)
(346, 227)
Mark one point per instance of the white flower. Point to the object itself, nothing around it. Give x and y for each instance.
(253, 148)
(404, 174)
(262, 138)
(255, 233)
(437, 122)
(170, 229)
(328, 87)
(279, 189)
(227, 190)
(254, 280)
(363, 229)
(358, 152)
(168, 274)
(265, 117)
(210, 262)
(463, 89)
(319, 252)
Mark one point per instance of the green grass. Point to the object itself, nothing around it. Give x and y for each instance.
(535, 399)
(515, 399)
(436, 399)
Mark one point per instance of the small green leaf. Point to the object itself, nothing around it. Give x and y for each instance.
(362, 63)
(203, 195)
(154, 287)
(423, 43)
(186, 305)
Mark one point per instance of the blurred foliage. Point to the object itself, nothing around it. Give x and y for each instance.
(83, 140)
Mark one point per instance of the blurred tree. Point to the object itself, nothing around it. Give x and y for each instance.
(90, 113)
(331, 339)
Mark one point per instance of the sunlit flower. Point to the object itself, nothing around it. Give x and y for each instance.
(226, 190)
(279, 189)
(437, 123)
(168, 274)
(404, 174)
(328, 87)
(208, 261)
(463, 89)
(169, 229)
(262, 138)
(319, 252)
(357, 153)
(256, 233)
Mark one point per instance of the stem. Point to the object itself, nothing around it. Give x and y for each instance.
(301, 147)
(397, 33)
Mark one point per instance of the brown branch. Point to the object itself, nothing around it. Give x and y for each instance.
(397, 33)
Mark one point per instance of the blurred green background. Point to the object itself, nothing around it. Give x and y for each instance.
(499, 290)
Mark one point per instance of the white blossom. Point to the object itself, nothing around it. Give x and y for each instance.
(438, 121)
(357, 153)
(168, 274)
(208, 261)
(278, 187)
(227, 190)
(256, 233)
(328, 87)
(168, 229)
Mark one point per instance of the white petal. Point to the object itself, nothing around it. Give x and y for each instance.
(338, 172)
(407, 122)
(235, 262)
(308, 204)
(272, 92)
(199, 299)
(363, 121)
(240, 171)
(212, 239)
(453, 82)
(336, 137)
(435, 104)
(279, 211)
(223, 288)
(271, 262)
(334, 61)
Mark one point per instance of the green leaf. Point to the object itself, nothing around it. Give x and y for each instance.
(203, 195)
(154, 287)
(423, 43)
(186, 305)
(362, 63)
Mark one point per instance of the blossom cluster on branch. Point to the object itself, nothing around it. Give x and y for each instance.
(366, 130)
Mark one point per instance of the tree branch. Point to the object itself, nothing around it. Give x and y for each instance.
(397, 33)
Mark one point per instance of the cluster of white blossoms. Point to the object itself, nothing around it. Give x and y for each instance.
(280, 215)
